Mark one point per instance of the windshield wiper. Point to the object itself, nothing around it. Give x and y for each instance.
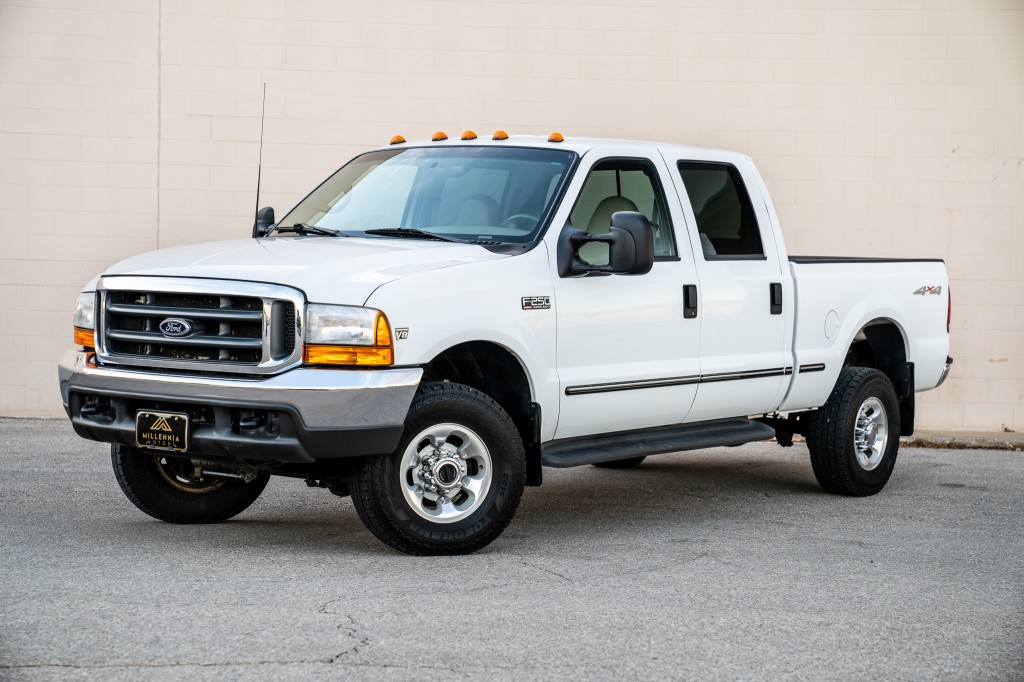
(303, 229)
(413, 233)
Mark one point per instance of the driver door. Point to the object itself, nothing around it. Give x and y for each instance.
(627, 356)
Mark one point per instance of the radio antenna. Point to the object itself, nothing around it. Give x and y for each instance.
(259, 167)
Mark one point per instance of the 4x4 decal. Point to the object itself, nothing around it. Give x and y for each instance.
(936, 290)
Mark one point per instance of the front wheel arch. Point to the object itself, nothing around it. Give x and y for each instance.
(500, 374)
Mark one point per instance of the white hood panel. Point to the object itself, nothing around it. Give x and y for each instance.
(328, 269)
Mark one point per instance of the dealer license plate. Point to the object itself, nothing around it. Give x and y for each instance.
(161, 430)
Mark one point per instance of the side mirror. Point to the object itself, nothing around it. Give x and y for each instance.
(264, 222)
(630, 242)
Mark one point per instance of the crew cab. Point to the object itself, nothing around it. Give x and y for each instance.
(438, 321)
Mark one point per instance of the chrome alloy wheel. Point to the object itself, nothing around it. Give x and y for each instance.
(870, 434)
(446, 473)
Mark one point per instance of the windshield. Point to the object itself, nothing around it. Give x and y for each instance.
(488, 194)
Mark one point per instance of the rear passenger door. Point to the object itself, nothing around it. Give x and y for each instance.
(743, 360)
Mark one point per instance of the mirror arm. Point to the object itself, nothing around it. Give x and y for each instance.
(586, 238)
(569, 263)
(582, 269)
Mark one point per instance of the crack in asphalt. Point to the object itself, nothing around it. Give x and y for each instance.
(175, 664)
(189, 664)
(546, 570)
(672, 564)
(350, 627)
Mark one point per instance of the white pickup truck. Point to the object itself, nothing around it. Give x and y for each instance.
(437, 321)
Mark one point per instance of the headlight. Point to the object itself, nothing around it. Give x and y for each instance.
(85, 320)
(346, 335)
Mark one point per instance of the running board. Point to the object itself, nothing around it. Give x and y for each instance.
(574, 452)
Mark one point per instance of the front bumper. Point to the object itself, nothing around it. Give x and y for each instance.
(297, 416)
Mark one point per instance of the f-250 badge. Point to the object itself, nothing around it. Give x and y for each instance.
(536, 302)
(928, 290)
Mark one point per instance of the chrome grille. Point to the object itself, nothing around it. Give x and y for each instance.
(225, 328)
(215, 325)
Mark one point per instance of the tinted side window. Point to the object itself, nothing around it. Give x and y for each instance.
(622, 185)
(725, 217)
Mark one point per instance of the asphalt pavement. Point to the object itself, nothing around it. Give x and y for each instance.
(722, 564)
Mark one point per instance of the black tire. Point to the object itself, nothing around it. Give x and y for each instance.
(831, 433)
(147, 483)
(381, 502)
(628, 463)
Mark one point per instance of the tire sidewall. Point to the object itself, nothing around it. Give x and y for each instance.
(876, 385)
(137, 474)
(508, 473)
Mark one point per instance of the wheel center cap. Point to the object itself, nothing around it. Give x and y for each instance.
(447, 473)
(872, 432)
(442, 471)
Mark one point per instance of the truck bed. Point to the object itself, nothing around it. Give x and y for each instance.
(837, 296)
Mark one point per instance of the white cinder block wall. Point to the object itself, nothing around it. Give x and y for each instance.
(883, 127)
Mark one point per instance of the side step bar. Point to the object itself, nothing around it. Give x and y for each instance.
(574, 452)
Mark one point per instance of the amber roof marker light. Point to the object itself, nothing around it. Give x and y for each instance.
(397, 139)
(500, 135)
(438, 137)
(469, 135)
(556, 137)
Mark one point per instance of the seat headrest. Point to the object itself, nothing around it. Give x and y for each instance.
(479, 210)
(601, 220)
(707, 246)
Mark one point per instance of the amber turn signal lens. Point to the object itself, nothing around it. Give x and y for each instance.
(357, 356)
(382, 332)
(397, 139)
(500, 135)
(85, 338)
(438, 136)
(556, 137)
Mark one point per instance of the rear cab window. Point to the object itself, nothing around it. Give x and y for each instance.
(721, 205)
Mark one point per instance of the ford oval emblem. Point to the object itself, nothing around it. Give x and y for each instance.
(175, 326)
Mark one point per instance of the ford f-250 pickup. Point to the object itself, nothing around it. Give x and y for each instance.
(438, 321)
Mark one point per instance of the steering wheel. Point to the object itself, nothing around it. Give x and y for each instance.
(512, 219)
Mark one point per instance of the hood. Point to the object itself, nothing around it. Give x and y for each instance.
(327, 269)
